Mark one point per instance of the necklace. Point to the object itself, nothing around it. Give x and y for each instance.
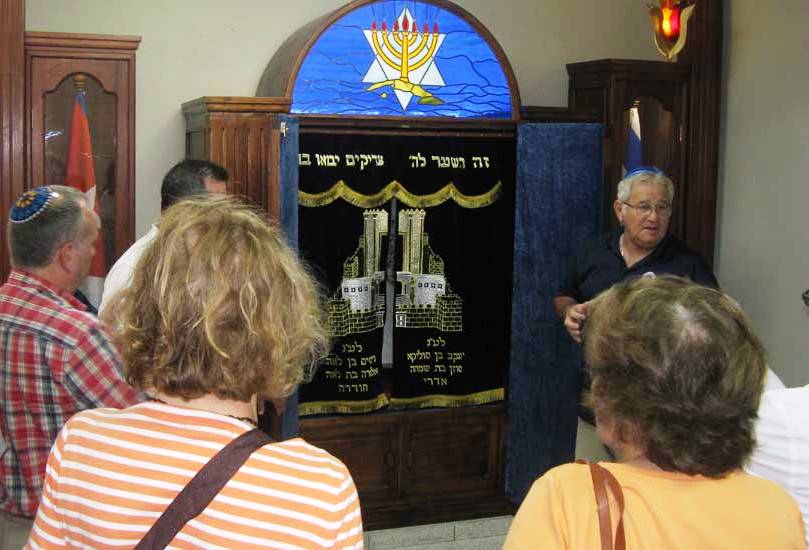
(242, 418)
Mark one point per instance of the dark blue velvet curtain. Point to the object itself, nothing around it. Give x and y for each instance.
(559, 177)
(288, 212)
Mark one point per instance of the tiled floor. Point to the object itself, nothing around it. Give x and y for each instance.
(476, 534)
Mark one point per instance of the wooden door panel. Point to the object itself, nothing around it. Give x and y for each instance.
(370, 451)
(451, 455)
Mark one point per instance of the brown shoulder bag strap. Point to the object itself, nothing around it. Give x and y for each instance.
(201, 490)
(602, 479)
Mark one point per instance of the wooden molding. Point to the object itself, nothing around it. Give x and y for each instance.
(628, 68)
(83, 41)
(252, 105)
(558, 114)
(703, 56)
(12, 105)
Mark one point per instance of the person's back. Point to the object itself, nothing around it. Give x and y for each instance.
(663, 510)
(782, 443)
(221, 315)
(113, 472)
(677, 380)
(42, 390)
(55, 359)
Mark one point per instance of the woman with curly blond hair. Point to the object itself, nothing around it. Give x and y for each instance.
(677, 378)
(219, 313)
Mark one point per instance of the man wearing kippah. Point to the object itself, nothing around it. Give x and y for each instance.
(641, 246)
(55, 359)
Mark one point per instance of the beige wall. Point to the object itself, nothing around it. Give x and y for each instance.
(763, 213)
(193, 48)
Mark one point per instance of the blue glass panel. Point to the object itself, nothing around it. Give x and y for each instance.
(360, 66)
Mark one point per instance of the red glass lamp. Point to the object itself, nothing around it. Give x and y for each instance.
(670, 25)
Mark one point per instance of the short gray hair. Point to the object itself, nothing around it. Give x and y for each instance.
(34, 243)
(645, 178)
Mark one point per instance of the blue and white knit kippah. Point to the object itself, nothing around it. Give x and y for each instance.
(31, 204)
(644, 170)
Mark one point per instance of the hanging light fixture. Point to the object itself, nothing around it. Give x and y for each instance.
(670, 24)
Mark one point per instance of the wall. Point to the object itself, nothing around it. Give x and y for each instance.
(763, 212)
(193, 48)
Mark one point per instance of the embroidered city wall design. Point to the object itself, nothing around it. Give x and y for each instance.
(419, 60)
(423, 298)
(408, 245)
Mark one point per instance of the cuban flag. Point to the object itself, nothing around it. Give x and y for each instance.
(632, 153)
(81, 175)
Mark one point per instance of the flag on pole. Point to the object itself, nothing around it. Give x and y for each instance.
(81, 175)
(633, 156)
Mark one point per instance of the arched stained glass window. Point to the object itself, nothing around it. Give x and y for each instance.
(404, 59)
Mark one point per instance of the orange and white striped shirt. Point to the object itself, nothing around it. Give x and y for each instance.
(111, 473)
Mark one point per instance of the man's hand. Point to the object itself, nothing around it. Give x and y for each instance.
(575, 316)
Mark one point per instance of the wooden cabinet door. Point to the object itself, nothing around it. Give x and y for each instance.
(452, 453)
(367, 445)
(105, 66)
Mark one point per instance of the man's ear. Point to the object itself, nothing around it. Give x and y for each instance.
(618, 206)
(66, 256)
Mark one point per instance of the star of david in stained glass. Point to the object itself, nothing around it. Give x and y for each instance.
(404, 59)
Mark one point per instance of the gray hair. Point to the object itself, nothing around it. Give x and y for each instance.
(34, 243)
(645, 178)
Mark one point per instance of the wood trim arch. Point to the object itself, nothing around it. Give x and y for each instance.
(104, 76)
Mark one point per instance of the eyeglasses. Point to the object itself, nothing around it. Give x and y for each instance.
(663, 209)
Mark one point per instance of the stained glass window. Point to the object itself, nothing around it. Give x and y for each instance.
(395, 58)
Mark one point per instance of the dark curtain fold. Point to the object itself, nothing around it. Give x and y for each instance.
(557, 196)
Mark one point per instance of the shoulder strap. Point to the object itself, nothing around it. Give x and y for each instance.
(602, 479)
(202, 489)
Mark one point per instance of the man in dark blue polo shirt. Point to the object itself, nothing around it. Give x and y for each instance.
(640, 247)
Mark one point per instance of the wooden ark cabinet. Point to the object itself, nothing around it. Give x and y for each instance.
(431, 465)
(104, 65)
(411, 466)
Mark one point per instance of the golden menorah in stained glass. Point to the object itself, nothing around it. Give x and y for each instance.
(405, 54)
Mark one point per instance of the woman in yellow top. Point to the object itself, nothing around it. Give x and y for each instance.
(677, 378)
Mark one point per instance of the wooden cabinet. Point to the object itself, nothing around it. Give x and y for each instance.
(430, 467)
(420, 466)
(412, 466)
(610, 88)
(243, 135)
(685, 140)
(56, 65)
(369, 446)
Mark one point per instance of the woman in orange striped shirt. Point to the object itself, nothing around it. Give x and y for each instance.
(219, 312)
